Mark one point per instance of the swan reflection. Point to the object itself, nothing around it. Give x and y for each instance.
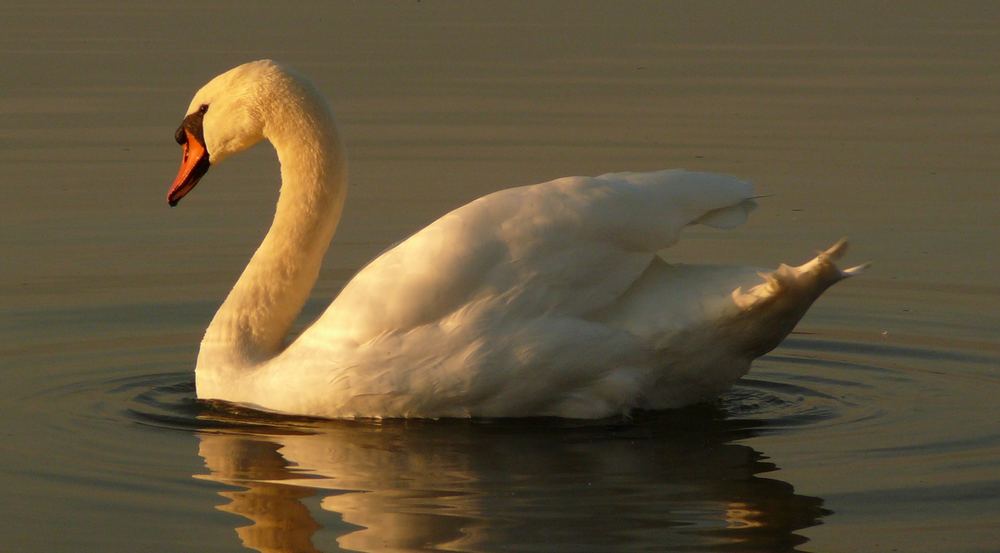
(530, 485)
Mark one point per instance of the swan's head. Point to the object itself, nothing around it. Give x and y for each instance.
(226, 117)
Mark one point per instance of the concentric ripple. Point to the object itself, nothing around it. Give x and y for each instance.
(688, 476)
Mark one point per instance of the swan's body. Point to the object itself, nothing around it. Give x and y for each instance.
(541, 300)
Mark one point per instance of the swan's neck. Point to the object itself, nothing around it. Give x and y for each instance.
(252, 323)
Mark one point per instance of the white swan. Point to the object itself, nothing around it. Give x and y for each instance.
(540, 300)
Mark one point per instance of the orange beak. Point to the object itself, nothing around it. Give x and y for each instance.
(194, 165)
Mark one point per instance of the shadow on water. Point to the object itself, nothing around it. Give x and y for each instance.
(671, 480)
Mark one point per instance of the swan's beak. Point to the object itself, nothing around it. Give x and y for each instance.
(194, 165)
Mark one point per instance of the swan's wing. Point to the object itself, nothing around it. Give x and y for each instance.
(567, 246)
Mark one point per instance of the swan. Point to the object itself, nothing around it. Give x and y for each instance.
(541, 300)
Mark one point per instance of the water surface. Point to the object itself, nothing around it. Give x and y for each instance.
(873, 428)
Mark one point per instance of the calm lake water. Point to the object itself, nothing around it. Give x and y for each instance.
(875, 427)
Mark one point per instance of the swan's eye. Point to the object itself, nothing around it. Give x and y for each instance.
(192, 123)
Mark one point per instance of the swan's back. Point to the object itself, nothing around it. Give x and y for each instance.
(567, 246)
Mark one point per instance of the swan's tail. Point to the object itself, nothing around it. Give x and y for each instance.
(826, 261)
(774, 306)
(808, 280)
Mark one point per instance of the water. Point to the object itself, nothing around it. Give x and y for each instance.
(873, 428)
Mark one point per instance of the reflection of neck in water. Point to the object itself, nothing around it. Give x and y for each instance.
(466, 485)
(281, 521)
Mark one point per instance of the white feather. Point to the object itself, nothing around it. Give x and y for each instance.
(539, 300)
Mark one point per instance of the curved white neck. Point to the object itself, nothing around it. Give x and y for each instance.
(253, 322)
